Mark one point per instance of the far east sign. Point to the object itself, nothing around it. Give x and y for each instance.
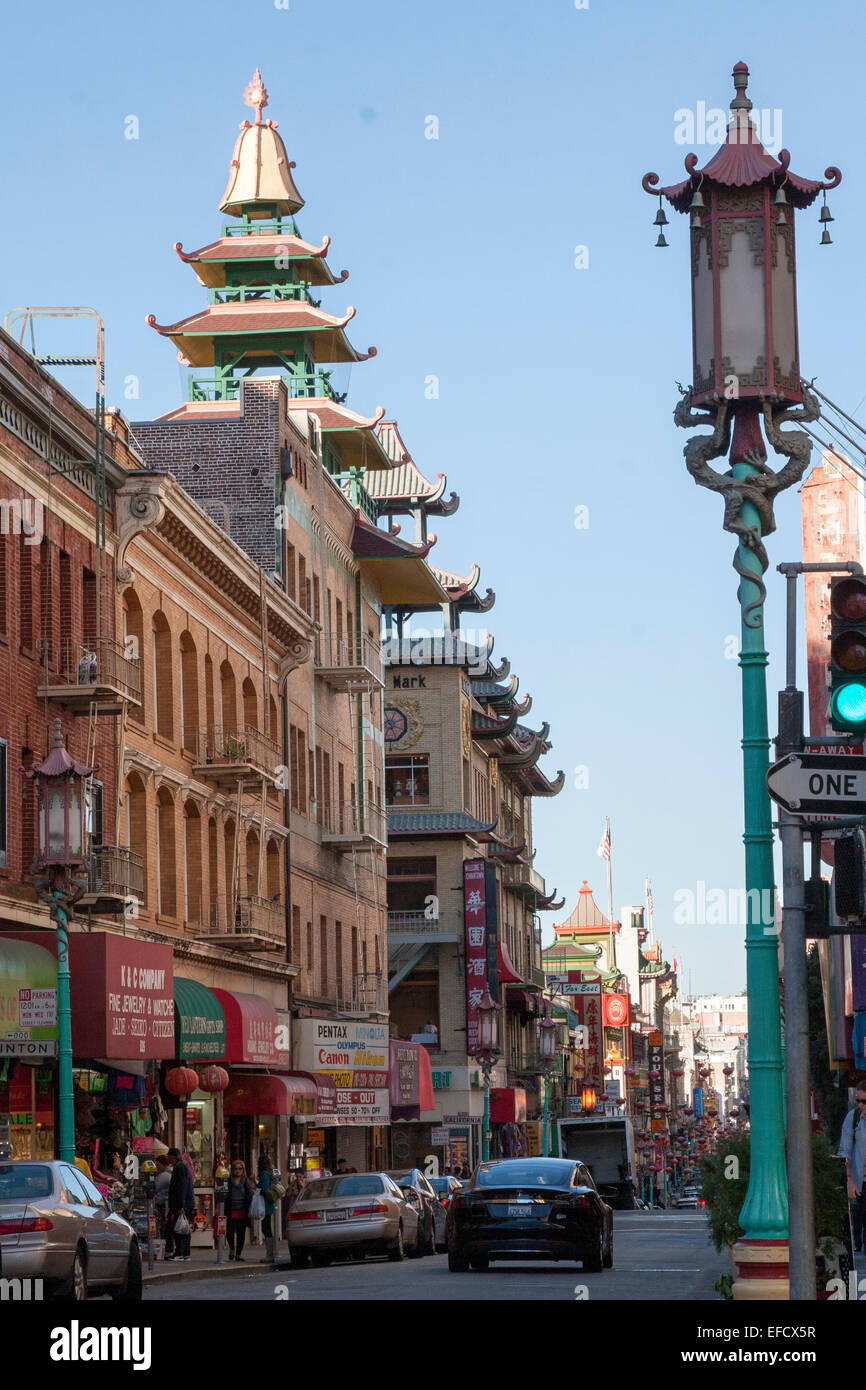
(809, 783)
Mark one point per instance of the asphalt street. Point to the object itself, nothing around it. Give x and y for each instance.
(657, 1256)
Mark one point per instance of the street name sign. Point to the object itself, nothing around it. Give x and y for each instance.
(810, 783)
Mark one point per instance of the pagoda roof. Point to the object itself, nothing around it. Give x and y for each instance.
(486, 727)
(742, 162)
(443, 823)
(405, 485)
(399, 569)
(195, 336)
(260, 178)
(209, 262)
(354, 434)
(501, 697)
(586, 917)
(461, 590)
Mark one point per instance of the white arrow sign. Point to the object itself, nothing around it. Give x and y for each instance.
(806, 783)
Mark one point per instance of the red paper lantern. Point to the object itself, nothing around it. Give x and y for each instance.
(728, 1070)
(212, 1078)
(181, 1080)
(678, 1071)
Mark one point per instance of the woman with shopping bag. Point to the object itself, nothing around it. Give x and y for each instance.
(239, 1199)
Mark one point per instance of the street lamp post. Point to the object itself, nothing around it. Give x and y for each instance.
(547, 1058)
(487, 1055)
(59, 782)
(746, 370)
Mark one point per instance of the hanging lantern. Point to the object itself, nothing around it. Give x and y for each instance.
(180, 1081)
(735, 1111)
(678, 1071)
(704, 1071)
(212, 1078)
(60, 782)
(630, 1070)
(654, 1074)
(728, 1070)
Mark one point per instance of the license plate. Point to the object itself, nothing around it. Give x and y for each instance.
(519, 1209)
(336, 1215)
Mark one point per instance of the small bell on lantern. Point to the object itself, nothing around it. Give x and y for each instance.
(698, 200)
(660, 219)
(826, 239)
(661, 241)
(826, 215)
(781, 198)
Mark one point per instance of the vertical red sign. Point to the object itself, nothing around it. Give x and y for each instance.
(588, 1008)
(475, 919)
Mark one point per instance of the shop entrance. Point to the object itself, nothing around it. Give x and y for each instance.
(240, 1128)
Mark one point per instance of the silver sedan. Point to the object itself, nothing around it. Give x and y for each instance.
(352, 1213)
(56, 1226)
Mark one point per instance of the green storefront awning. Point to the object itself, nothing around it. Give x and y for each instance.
(566, 1016)
(28, 999)
(199, 1022)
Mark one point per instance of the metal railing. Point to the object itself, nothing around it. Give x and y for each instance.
(100, 662)
(346, 821)
(369, 994)
(300, 384)
(239, 294)
(246, 746)
(262, 226)
(116, 871)
(417, 923)
(352, 487)
(523, 877)
(222, 915)
(339, 653)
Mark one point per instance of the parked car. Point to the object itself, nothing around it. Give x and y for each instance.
(529, 1209)
(433, 1214)
(445, 1188)
(686, 1199)
(351, 1213)
(56, 1225)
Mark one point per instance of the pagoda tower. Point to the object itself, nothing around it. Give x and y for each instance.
(259, 276)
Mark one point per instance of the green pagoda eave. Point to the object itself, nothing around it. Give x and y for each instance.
(210, 262)
(265, 331)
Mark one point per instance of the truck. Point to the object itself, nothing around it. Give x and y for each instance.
(606, 1145)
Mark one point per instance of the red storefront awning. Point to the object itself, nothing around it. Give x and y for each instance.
(325, 1093)
(251, 1030)
(261, 1093)
(507, 973)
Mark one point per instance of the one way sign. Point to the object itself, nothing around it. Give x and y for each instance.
(808, 783)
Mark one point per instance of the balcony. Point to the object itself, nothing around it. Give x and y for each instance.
(524, 881)
(415, 928)
(349, 666)
(239, 294)
(231, 756)
(79, 673)
(351, 486)
(348, 828)
(369, 995)
(115, 874)
(228, 388)
(244, 924)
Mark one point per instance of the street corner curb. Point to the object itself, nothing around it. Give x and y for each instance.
(176, 1276)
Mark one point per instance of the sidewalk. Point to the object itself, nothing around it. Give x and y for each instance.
(202, 1264)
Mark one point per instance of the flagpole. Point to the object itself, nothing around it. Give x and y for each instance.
(612, 957)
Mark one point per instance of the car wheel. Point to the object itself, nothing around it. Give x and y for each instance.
(480, 1263)
(457, 1264)
(396, 1251)
(608, 1252)
(74, 1289)
(299, 1259)
(321, 1259)
(594, 1263)
(131, 1291)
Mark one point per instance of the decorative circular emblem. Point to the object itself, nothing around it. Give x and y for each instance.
(616, 1011)
(394, 724)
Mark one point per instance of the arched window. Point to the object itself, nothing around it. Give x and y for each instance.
(251, 705)
(166, 860)
(213, 872)
(252, 881)
(209, 714)
(136, 822)
(274, 871)
(189, 691)
(231, 881)
(163, 671)
(274, 729)
(193, 906)
(133, 643)
(228, 698)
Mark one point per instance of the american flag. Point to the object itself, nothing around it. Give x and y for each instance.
(649, 898)
(603, 850)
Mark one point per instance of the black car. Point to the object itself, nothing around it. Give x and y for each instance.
(529, 1209)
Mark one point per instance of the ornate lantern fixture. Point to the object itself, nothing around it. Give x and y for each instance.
(678, 1071)
(59, 783)
(546, 1040)
(727, 1070)
(588, 1097)
(488, 1026)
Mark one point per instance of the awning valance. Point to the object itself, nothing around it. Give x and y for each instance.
(251, 1029)
(199, 1022)
(259, 1093)
(507, 973)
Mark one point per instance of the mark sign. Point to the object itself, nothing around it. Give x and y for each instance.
(806, 783)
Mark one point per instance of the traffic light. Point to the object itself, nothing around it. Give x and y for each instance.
(848, 653)
(849, 876)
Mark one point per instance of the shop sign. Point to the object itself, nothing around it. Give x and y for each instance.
(122, 997)
(656, 1062)
(405, 1077)
(441, 1080)
(439, 1134)
(355, 1057)
(28, 999)
(588, 1009)
(616, 1010)
(477, 961)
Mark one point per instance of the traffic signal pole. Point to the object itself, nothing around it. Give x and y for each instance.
(801, 1186)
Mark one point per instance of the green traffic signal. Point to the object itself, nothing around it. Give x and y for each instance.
(848, 653)
(848, 707)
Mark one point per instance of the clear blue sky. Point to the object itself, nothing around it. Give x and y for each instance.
(556, 384)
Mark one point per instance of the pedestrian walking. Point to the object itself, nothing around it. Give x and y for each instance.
(266, 1184)
(181, 1205)
(238, 1199)
(852, 1147)
(160, 1203)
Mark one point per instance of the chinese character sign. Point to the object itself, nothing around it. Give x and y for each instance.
(588, 1009)
(656, 1059)
(475, 917)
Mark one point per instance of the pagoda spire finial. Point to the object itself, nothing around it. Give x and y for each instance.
(256, 95)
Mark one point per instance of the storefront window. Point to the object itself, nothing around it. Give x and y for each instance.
(27, 1112)
(199, 1136)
